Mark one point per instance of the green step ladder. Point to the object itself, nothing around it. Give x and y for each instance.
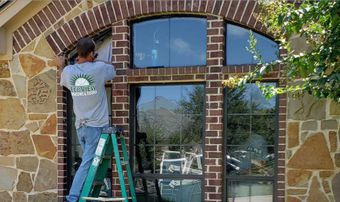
(106, 149)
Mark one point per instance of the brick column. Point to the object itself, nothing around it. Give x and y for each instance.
(213, 166)
(120, 87)
(281, 150)
(62, 142)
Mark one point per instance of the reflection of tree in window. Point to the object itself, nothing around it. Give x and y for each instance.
(237, 40)
(250, 132)
(241, 111)
(250, 144)
(179, 124)
(192, 111)
(170, 119)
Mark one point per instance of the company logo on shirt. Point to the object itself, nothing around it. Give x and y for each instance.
(82, 85)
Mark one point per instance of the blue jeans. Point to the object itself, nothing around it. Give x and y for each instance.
(88, 138)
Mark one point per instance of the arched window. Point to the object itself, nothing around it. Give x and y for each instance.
(169, 42)
(237, 41)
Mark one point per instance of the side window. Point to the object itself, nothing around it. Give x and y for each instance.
(251, 133)
(237, 41)
(169, 42)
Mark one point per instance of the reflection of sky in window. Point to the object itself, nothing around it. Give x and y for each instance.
(237, 41)
(170, 42)
(167, 96)
(187, 41)
(254, 94)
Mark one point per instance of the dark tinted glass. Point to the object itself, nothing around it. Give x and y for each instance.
(169, 42)
(237, 41)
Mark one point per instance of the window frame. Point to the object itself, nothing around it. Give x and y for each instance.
(225, 34)
(133, 130)
(155, 17)
(245, 178)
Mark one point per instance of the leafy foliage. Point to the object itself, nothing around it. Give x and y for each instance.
(317, 67)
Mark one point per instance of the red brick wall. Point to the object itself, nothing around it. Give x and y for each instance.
(117, 14)
(213, 142)
(120, 88)
(41, 22)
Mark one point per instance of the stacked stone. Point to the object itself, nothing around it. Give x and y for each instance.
(313, 152)
(28, 140)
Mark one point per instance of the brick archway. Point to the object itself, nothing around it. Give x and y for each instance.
(104, 15)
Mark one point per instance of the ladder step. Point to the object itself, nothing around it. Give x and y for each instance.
(104, 199)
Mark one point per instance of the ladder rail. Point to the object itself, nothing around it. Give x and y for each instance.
(106, 148)
(119, 166)
(128, 169)
(101, 147)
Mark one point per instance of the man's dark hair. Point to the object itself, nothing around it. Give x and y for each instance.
(85, 46)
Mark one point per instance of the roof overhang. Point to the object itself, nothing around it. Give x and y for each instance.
(13, 14)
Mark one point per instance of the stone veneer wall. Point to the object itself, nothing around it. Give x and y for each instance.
(28, 109)
(28, 140)
(313, 152)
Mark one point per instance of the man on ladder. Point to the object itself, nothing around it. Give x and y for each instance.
(86, 81)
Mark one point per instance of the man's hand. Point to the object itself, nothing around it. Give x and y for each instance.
(59, 61)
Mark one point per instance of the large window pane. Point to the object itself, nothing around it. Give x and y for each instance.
(237, 41)
(169, 128)
(169, 42)
(169, 125)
